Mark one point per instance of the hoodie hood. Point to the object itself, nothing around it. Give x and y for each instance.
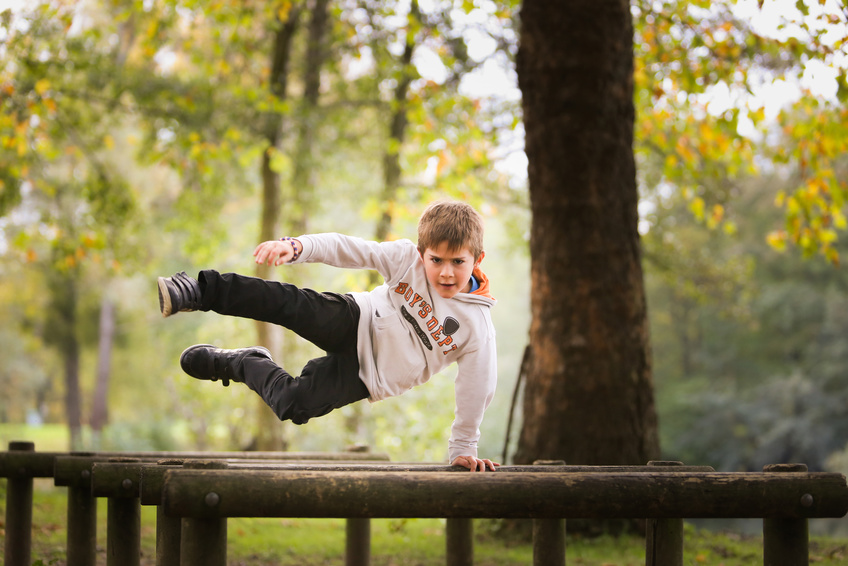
(481, 296)
(481, 278)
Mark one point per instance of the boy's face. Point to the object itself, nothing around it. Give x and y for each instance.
(449, 271)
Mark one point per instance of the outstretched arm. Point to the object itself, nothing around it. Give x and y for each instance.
(277, 252)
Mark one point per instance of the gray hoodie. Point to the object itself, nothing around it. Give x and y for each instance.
(407, 332)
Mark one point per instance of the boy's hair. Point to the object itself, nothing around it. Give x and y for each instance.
(454, 222)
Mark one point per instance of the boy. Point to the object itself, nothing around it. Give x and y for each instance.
(432, 310)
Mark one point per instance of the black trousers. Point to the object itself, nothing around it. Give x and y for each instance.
(328, 320)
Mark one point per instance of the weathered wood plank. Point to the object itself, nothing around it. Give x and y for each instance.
(262, 493)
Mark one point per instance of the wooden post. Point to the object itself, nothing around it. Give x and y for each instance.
(204, 541)
(123, 532)
(82, 525)
(123, 519)
(74, 471)
(664, 537)
(786, 541)
(549, 534)
(459, 542)
(358, 542)
(168, 529)
(18, 548)
(549, 542)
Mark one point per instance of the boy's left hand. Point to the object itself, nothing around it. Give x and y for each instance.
(276, 252)
(474, 464)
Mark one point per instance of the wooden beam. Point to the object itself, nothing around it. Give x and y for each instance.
(260, 493)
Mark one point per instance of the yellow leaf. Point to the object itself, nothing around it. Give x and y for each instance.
(108, 141)
(707, 133)
(697, 207)
(827, 236)
(793, 208)
(284, 10)
(152, 28)
(42, 86)
(716, 216)
(683, 150)
(758, 115)
(832, 256)
(777, 240)
(670, 161)
(839, 220)
(780, 198)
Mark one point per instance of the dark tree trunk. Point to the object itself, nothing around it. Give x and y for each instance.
(398, 122)
(589, 393)
(73, 405)
(61, 332)
(269, 434)
(303, 178)
(99, 407)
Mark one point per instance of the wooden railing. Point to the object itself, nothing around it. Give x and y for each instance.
(195, 497)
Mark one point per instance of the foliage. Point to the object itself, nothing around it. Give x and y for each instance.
(700, 69)
(748, 364)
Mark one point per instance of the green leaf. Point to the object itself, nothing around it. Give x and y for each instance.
(842, 87)
(280, 162)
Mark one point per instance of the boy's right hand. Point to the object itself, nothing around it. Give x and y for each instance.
(474, 464)
(276, 252)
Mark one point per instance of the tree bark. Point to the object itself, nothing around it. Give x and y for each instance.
(73, 410)
(589, 392)
(269, 435)
(62, 332)
(397, 131)
(99, 408)
(303, 178)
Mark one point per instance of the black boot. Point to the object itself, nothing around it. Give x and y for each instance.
(178, 293)
(204, 361)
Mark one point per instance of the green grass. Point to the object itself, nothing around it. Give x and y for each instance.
(47, 438)
(400, 542)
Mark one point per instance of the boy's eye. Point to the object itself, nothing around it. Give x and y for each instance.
(459, 261)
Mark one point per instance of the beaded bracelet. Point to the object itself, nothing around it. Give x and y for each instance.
(293, 245)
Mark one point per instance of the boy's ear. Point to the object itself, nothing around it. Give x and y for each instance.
(479, 259)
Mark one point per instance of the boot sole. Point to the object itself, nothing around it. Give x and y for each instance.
(164, 298)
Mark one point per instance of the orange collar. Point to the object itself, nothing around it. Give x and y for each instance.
(483, 290)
